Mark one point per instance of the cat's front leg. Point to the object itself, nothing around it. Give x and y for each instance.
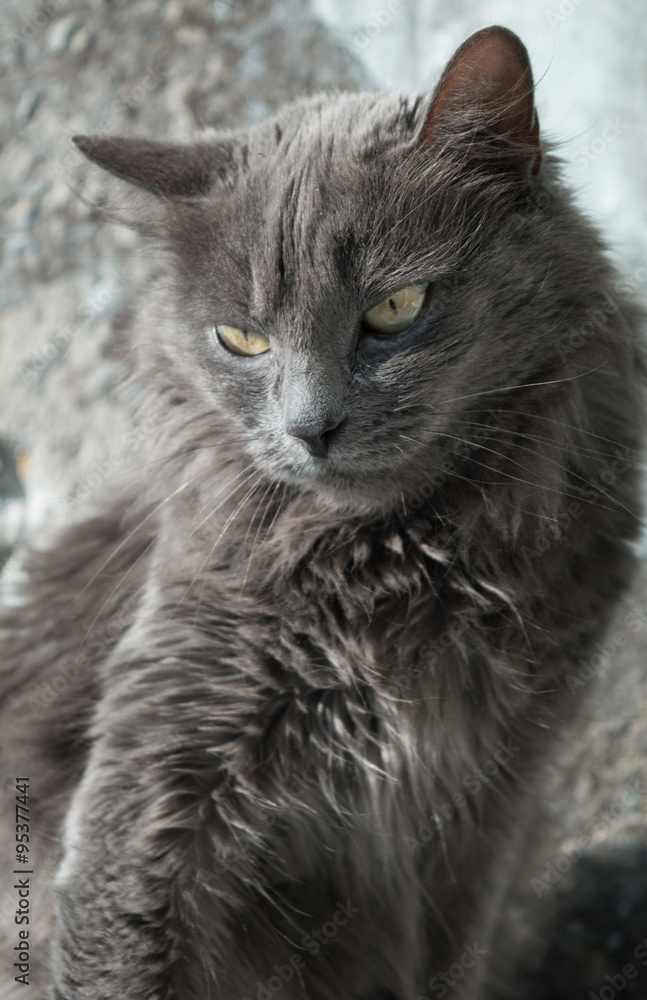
(116, 927)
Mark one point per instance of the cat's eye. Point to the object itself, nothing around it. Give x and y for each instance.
(398, 311)
(244, 342)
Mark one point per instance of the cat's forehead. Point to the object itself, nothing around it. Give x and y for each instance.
(331, 129)
(322, 171)
(304, 195)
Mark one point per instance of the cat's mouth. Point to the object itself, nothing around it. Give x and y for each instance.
(347, 484)
(378, 477)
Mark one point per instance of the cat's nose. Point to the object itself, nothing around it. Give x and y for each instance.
(315, 435)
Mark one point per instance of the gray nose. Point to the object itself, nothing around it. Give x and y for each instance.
(315, 435)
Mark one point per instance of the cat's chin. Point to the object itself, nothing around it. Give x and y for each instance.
(348, 493)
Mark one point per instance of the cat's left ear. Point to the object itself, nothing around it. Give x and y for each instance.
(490, 76)
(169, 170)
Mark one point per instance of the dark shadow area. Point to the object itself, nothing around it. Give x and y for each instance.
(597, 948)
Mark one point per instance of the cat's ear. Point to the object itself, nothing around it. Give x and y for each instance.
(490, 77)
(168, 170)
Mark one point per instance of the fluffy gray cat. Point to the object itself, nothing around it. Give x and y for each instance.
(285, 705)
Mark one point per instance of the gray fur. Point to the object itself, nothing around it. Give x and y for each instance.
(303, 658)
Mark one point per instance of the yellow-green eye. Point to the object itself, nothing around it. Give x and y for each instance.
(244, 342)
(399, 311)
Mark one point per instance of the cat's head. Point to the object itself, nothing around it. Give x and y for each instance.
(351, 276)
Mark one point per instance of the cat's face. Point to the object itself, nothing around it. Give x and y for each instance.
(285, 293)
(346, 286)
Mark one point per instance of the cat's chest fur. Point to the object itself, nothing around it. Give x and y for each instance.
(314, 697)
(317, 604)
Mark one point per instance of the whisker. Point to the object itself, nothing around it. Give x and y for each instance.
(138, 527)
(574, 427)
(224, 500)
(545, 458)
(112, 593)
(526, 435)
(265, 512)
(531, 416)
(526, 482)
(523, 385)
(231, 518)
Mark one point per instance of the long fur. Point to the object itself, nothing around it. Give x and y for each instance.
(256, 701)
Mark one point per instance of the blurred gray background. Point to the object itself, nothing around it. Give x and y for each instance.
(68, 283)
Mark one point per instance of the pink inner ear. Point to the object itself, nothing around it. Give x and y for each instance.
(490, 68)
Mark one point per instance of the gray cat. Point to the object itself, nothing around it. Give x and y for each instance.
(306, 672)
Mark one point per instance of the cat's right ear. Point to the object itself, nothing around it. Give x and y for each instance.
(172, 171)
